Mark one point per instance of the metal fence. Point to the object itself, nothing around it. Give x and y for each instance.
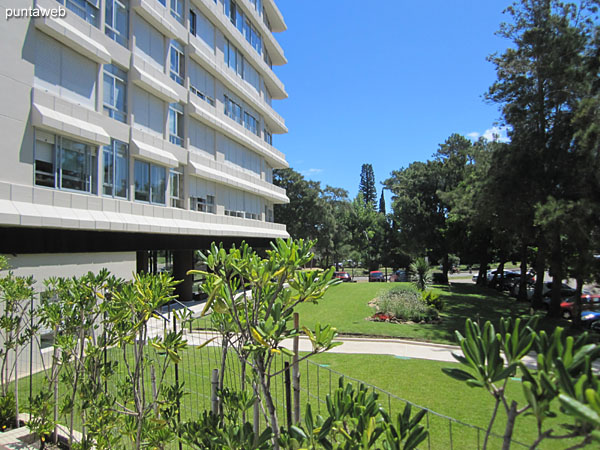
(195, 374)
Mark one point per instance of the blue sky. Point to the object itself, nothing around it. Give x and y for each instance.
(384, 83)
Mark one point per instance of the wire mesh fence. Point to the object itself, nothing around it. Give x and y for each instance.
(194, 373)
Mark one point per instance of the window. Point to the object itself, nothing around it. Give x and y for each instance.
(115, 93)
(234, 59)
(268, 136)
(209, 100)
(177, 62)
(257, 5)
(229, 212)
(193, 22)
(65, 164)
(267, 59)
(88, 10)
(177, 10)
(203, 204)
(176, 188)
(233, 110)
(251, 123)
(117, 21)
(150, 182)
(115, 167)
(269, 214)
(176, 124)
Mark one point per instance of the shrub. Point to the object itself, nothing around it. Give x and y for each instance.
(405, 303)
(433, 299)
(7, 411)
(422, 272)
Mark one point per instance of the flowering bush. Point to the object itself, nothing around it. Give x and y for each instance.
(404, 304)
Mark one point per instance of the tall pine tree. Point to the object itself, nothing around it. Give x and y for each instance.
(382, 203)
(367, 185)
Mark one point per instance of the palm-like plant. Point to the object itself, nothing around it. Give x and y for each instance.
(422, 273)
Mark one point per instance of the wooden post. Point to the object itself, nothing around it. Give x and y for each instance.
(214, 399)
(288, 395)
(296, 372)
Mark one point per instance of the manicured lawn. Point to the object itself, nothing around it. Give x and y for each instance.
(345, 306)
(424, 384)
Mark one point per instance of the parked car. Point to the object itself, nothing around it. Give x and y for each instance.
(566, 292)
(589, 302)
(376, 275)
(399, 276)
(591, 319)
(344, 276)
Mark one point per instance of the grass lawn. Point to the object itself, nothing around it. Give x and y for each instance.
(345, 306)
(424, 384)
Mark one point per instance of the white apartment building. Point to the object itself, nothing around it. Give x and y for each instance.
(135, 126)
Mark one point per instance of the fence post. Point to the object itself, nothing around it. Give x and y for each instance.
(296, 372)
(177, 382)
(214, 399)
(288, 395)
(30, 351)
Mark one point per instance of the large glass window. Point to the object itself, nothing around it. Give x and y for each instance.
(117, 20)
(177, 10)
(251, 123)
(115, 93)
(203, 204)
(267, 136)
(177, 62)
(176, 124)
(66, 164)
(78, 165)
(88, 10)
(150, 182)
(233, 110)
(115, 168)
(234, 59)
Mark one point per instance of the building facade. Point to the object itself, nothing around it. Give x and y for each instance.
(135, 126)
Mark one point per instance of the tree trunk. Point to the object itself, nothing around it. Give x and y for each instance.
(483, 266)
(274, 423)
(510, 425)
(557, 276)
(540, 267)
(522, 294)
(445, 268)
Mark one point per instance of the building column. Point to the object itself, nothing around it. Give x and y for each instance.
(183, 260)
(141, 262)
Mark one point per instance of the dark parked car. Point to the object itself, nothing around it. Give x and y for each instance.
(376, 275)
(400, 276)
(588, 302)
(344, 276)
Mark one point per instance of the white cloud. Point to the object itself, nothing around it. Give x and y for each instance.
(496, 134)
(311, 171)
(491, 134)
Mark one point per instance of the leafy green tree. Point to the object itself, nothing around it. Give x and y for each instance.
(257, 297)
(420, 208)
(303, 214)
(564, 366)
(367, 185)
(541, 79)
